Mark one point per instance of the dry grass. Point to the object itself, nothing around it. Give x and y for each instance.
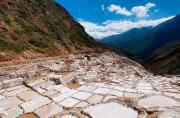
(29, 115)
(73, 85)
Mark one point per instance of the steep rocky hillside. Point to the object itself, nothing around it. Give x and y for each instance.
(165, 60)
(39, 28)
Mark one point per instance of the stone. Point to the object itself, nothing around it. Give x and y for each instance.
(98, 84)
(47, 84)
(82, 95)
(146, 91)
(129, 90)
(48, 110)
(28, 95)
(95, 99)
(14, 88)
(89, 88)
(68, 77)
(109, 97)
(157, 101)
(56, 67)
(3, 113)
(12, 82)
(2, 25)
(81, 83)
(119, 88)
(63, 89)
(101, 91)
(2, 97)
(82, 104)
(110, 110)
(175, 95)
(36, 82)
(69, 102)
(14, 112)
(130, 95)
(1, 85)
(55, 87)
(145, 86)
(81, 88)
(169, 114)
(171, 90)
(50, 93)
(10, 102)
(35, 103)
(64, 95)
(39, 90)
(15, 92)
(91, 75)
(108, 86)
(2, 91)
(68, 116)
(53, 76)
(116, 93)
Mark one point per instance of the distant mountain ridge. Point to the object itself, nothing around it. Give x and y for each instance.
(131, 42)
(157, 48)
(39, 28)
(141, 42)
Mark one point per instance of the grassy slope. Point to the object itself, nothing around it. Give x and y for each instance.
(165, 60)
(39, 27)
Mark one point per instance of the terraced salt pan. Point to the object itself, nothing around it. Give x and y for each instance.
(157, 101)
(110, 110)
(170, 114)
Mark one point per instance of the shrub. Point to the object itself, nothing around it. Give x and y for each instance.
(9, 46)
(38, 43)
(3, 9)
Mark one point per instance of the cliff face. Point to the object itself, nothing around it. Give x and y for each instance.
(37, 28)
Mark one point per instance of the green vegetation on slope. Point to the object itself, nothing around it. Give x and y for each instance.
(40, 26)
(165, 60)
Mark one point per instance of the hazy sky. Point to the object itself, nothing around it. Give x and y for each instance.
(102, 18)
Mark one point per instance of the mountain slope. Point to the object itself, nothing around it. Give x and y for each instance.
(165, 60)
(32, 28)
(132, 42)
(142, 42)
(164, 33)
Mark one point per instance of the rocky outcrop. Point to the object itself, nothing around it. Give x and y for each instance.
(2, 25)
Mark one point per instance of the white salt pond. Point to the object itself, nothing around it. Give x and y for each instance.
(110, 110)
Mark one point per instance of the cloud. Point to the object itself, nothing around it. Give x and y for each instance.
(103, 8)
(139, 11)
(156, 10)
(149, 5)
(142, 11)
(108, 28)
(119, 10)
